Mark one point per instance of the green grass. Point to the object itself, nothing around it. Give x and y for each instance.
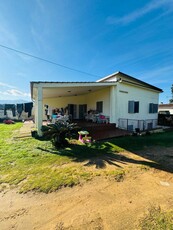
(31, 164)
(156, 219)
(133, 143)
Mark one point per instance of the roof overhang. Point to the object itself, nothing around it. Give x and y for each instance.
(127, 79)
(66, 89)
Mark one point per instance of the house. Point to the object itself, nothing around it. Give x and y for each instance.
(166, 109)
(128, 102)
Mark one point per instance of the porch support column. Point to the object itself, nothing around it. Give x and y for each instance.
(39, 110)
(113, 104)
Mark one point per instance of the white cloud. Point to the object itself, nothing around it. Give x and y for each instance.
(13, 93)
(153, 5)
(6, 85)
(155, 75)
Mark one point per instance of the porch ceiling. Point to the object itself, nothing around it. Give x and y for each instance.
(69, 90)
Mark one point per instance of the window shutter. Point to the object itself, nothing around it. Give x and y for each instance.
(131, 107)
(136, 107)
(155, 108)
(150, 107)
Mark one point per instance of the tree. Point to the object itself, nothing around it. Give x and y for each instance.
(171, 100)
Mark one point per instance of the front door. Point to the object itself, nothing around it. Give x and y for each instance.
(82, 111)
(72, 111)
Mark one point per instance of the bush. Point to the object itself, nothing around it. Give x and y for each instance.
(60, 132)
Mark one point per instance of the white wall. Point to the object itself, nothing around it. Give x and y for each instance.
(131, 93)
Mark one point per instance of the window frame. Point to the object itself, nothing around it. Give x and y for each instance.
(133, 106)
(153, 108)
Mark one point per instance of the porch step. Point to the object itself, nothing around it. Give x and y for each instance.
(102, 131)
(101, 127)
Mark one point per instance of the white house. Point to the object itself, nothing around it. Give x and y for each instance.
(166, 109)
(127, 101)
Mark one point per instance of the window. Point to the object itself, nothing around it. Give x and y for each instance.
(153, 108)
(99, 106)
(133, 107)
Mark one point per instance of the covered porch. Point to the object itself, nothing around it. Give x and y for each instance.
(78, 97)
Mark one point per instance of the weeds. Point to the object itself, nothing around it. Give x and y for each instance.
(156, 219)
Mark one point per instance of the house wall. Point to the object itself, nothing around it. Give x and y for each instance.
(100, 95)
(127, 93)
(62, 102)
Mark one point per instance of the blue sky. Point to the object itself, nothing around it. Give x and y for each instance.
(94, 36)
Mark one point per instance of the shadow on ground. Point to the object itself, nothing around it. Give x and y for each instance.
(103, 153)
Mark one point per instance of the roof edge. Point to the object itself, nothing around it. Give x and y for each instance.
(132, 78)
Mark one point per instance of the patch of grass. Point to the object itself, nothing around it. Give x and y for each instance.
(156, 219)
(118, 175)
(47, 180)
(31, 164)
(133, 143)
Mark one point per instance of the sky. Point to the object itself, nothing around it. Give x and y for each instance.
(94, 37)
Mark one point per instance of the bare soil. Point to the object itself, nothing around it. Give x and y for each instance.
(102, 203)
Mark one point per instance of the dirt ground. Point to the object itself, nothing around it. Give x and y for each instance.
(102, 203)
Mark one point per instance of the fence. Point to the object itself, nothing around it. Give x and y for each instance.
(132, 124)
(165, 119)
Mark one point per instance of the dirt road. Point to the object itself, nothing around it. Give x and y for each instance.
(102, 203)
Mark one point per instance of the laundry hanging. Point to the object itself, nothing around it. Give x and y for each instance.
(28, 108)
(11, 107)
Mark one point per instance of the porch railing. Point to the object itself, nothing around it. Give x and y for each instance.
(132, 124)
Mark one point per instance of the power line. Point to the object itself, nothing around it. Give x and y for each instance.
(45, 60)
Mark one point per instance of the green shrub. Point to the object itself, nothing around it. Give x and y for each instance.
(60, 132)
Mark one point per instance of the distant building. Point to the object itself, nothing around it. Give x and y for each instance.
(165, 109)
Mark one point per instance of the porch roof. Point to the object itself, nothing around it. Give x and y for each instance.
(65, 89)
